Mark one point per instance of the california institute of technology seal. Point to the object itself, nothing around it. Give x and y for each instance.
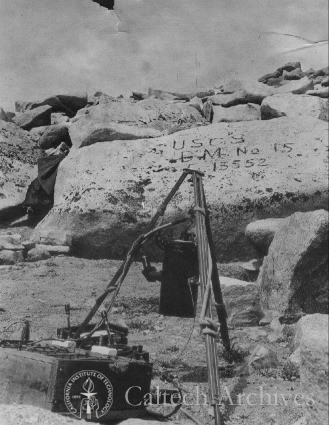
(88, 394)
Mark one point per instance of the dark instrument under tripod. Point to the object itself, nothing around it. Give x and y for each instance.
(208, 277)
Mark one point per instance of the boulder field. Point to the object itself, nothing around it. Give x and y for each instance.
(106, 193)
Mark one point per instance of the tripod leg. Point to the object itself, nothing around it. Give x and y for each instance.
(203, 251)
(217, 291)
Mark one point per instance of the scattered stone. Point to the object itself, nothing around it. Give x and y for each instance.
(248, 112)
(196, 103)
(310, 72)
(265, 321)
(295, 357)
(34, 118)
(295, 74)
(103, 99)
(8, 246)
(37, 132)
(36, 254)
(314, 367)
(317, 87)
(290, 66)
(275, 82)
(59, 118)
(245, 91)
(233, 270)
(323, 93)
(321, 72)
(317, 81)
(296, 86)
(52, 237)
(261, 233)
(54, 249)
(241, 301)
(225, 100)
(292, 106)
(325, 82)
(262, 358)
(294, 276)
(74, 101)
(202, 94)
(10, 239)
(10, 116)
(52, 101)
(252, 265)
(324, 114)
(54, 136)
(28, 245)
(208, 111)
(266, 77)
(10, 257)
(164, 95)
(68, 104)
(276, 325)
(21, 106)
(138, 96)
(3, 115)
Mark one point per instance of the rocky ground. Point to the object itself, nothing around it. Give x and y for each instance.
(38, 292)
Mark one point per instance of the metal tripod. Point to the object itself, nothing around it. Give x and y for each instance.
(208, 275)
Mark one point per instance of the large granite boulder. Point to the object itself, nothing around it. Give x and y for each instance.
(18, 157)
(314, 367)
(106, 193)
(37, 117)
(294, 276)
(291, 105)
(127, 120)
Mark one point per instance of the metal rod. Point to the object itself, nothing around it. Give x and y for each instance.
(210, 343)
